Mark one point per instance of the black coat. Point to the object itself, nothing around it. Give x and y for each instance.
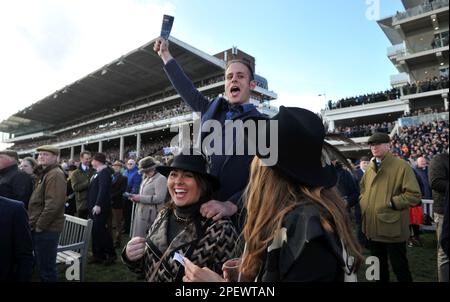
(99, 192)
(302, 250)
(422, 179)
(70, 207)
(16, 250)
(347, 186)
(16, 184)
(444, 234)
(119, 186)
(359, 174)
(438, 175)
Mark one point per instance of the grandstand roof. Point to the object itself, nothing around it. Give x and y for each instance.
(132, 76)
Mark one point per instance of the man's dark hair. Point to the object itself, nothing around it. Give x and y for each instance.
(243, 62)
(85, 152)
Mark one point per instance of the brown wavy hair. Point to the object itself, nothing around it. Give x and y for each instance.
(269, 197)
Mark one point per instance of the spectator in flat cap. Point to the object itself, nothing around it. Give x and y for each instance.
(46, 212)
(119, 186)
(151, 197)
(14, 183)
(379, 138)
(10, 153)
(385, 199)
(49, 148)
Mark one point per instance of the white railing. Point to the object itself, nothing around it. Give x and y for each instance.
(397, 49)
(420, 119)
(400, 79)
(427, 206)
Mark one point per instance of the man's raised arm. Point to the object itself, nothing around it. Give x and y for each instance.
(180, 81)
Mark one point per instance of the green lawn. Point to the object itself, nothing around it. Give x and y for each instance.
(117, 272)
(422, 261)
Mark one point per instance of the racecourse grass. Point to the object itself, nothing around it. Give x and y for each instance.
(422, 262)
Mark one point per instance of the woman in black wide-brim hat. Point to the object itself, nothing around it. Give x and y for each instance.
(297, 228)
(180, 228)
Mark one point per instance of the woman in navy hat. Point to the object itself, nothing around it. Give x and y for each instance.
(297, 228)
(180, 230)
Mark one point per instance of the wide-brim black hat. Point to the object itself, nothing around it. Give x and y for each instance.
(193, 161)
(301, 155)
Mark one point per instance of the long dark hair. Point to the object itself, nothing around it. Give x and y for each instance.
(269, 197)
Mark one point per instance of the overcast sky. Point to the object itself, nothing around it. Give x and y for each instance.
(304, 48)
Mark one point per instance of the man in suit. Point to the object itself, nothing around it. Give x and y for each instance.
(16, 248)
(359, 173)
(99, 206)
(80, 183)
(232, 170)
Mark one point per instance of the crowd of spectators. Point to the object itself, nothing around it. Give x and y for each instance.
(382, 96)
(133, 119)
(428, 84)
(364, 130)
(143, 101)
(425, 140)
(151, 148)
(424, 111)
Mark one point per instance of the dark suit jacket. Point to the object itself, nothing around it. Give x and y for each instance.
(16, 184)
(232, 170)
(119, 186)
(16, 250)
(99, 193)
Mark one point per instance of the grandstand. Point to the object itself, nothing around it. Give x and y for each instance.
(126, 107)
(418, 98)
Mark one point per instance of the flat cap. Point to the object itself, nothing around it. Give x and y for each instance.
(10, 153)
(48, 148)
(379, 138)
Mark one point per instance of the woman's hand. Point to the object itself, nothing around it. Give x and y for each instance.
(135, 248)
(135, 198)
(193, 273)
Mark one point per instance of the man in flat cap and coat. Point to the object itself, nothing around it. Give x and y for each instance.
(388, 189)
(46, 212)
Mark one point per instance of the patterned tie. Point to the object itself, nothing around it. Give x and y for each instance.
(234, 111)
